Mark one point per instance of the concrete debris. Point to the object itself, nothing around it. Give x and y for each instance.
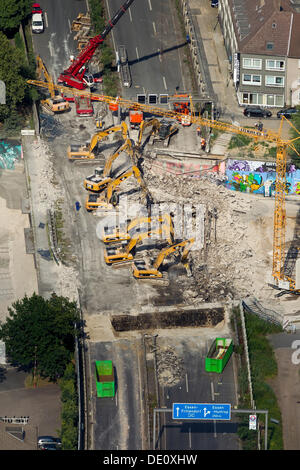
(170, 368)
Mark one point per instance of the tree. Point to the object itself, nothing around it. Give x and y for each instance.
(11, 68)
(12, 13)
(40, 333)
(295, 120)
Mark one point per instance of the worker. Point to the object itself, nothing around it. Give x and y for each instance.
(77, 205)
(203, 143)
(198, 131)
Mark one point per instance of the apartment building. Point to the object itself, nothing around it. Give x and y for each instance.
(262, 40)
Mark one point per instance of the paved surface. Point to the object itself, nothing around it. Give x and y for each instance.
(287, 386)
(41, 404)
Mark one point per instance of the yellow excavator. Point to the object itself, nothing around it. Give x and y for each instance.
(145, 270)
(85, 152)
(113, 234)
(56, 103)
(161, 131)
(101, 179)
(118, 255)
(108, 199)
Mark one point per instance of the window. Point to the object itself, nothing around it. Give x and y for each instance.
(270, 45)
(275, 100)
(252, 98)
(272, 80)
(251, 63)
(249, 79)
(275, 64)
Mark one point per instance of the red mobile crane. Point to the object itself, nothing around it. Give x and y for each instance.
(76, 75)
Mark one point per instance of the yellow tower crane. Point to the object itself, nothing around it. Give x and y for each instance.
(258, 136)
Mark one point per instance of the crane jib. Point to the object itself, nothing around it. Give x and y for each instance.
(73, 76)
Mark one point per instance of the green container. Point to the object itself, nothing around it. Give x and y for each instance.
(218, 355)
(105, 380)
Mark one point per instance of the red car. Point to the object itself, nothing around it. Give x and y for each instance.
(36, 8)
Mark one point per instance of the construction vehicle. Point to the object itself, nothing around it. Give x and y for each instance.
(105, 379)
(218, 355)
(121, 254)
(101, 179)
(113, 234)
(108, 199)
(135, 118)
(143, 269)
(282, 281)
(77, 75)
(83, 106)
(184, 107)
(161, 131)
(56, 103)
(86, 152)
(123, 66)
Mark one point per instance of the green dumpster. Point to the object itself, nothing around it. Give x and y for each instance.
(218, 355)
(105, 380)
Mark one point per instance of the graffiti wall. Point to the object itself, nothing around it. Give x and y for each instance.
(10, 152)
(259, 177)
(191, 168)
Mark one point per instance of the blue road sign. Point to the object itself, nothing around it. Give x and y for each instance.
(206, 411)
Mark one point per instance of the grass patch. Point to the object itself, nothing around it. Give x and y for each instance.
(263, 367)
(33, 382)
(239, 141)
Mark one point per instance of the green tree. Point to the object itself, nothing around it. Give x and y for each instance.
(12, 67)
(39, 333)
(12, 13)
(295, 120)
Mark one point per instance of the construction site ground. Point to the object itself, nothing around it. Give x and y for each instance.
(233, 262)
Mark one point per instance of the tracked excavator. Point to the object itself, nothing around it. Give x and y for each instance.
(108, 199)
(119, 255)
(86, 152)
(55, 104)
(101, 177)
(145, 270)
(113, 234)
(161, 131)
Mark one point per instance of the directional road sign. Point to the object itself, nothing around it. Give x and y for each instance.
(203, 411)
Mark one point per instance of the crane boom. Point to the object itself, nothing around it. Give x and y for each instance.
(74, 75)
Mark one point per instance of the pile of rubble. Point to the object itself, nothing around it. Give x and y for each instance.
(226, 266)
(169, 367)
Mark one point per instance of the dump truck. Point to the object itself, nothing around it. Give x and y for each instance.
(105, 379)
(218, 355)
(135, 118)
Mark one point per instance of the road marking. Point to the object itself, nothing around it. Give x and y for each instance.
(212, 391)
(154, 27)
(186, 383)
(190, 437)
(165, 84)
(215, 429)
(69, 24)
(51, 49)
(137, 53)
(130, 16)
(46, 19)
(150, 6)
(159, 54)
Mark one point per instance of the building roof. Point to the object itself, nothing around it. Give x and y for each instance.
(267, 27)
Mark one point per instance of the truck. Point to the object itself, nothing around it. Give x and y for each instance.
(105, 379)
(135, 118)
(218, 355)
(124, 67)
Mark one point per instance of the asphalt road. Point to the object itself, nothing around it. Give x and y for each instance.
(198, 386)
(151, 34)
(56, 43)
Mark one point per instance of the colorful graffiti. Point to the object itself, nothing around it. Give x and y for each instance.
(10, 152)
(259, 177)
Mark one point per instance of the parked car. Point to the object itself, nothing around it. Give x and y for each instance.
(49, 447)
(45, 440)
(256, 111)
(214, 3)
(37, 23)
(287, 112)
(36, 8)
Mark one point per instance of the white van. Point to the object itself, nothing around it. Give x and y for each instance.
(37, 23)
